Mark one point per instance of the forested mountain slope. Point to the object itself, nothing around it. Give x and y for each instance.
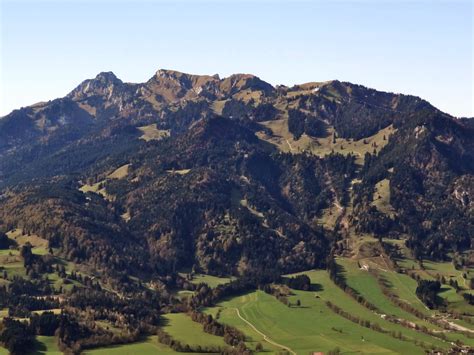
(211, 184)
(118, 198)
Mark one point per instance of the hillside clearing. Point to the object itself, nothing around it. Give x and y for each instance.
(120, 172)
(381, 198)
(282, 138)
(151, 132)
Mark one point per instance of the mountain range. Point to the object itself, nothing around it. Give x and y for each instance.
(137, 183)
(216, 170)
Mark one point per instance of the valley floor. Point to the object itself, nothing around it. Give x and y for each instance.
(326, 318)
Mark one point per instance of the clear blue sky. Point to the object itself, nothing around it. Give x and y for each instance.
(423, 48)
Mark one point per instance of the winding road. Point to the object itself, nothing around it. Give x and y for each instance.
(265, 337)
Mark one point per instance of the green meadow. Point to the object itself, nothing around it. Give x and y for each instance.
(313, 326)
(151, 346)
(182, 328)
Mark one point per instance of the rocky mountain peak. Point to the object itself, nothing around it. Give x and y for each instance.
(102, 85)
(239, 82)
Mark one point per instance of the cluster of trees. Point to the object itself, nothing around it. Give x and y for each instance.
(22, 306)
(236, 109)
(5, 242)
(22, 296)
(139, 314)
(358, 112)
(19, 337)
(469, 298)
(299, 282)
(75, 335)
(45, 323)
(232, 336)
(35, 265)
(300, 122)
(277, 293)
(179, 346)
(427, 291)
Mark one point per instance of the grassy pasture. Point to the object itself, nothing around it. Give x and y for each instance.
(367, 286)
(284, 140)
(329, 216)
(54, 310)
(184, 294)
(211, 281)
(106, 325)
(217, 106)
(46, 345)
(120, 172)
(151, 132)
(381, 198)
(150, 346)
(344, 301)
(431, 270)
(182, 328)
(311, 327)
(404, 286)
(98, 188)
(8, 253)
(13, 267)
(248, 95)
(40, 245)
(126, 216)
(3, 313)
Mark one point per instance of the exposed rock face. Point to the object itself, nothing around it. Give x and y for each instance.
(463, 191)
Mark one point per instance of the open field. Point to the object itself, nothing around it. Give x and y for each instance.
(211, 281)
(151, 132)
(312, 327)
(432, 270)
(13, 266)
(47, 345)
(98, 188)
(365, 283)
(151, 346)
(381, 198)
(404, 286)
(120, 172)
(217, 106)
(284, 140)
(182, 328)
(40, 245)
(179, 172)
(367, 286)
(315, 327)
